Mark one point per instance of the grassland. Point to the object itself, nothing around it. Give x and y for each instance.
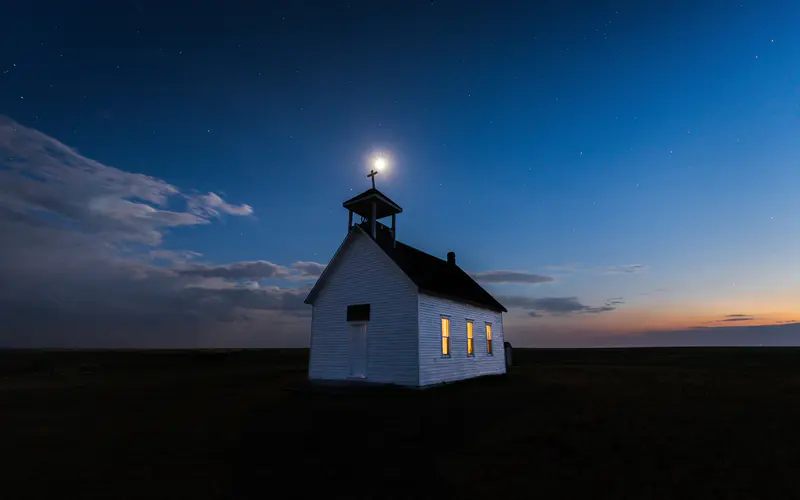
(647, 423)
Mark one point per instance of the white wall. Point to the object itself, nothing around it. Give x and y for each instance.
(366, 275)
(433, 368)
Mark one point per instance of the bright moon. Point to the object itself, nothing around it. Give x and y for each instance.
(380, 163)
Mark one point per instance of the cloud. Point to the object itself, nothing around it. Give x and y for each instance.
(308, 270)
(736, 319)
(250, 296)
(211, 205)
(46, 182)
(253, 270)
(616, 301)
(622, 269)
(625, 269)
(737, 315)
(82, 265)
(174, 255)
(511, 277)
(558, 306)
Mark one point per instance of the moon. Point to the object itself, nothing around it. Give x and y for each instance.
(380, 163)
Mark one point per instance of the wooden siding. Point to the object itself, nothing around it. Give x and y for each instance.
(435, 369)
(364, 274)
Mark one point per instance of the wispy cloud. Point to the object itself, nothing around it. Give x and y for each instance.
(46, 182)
(176, 256)
(211, 205)
(498, 277)
(607, 270)
(624, 269)
(558, 306)
(252, 270)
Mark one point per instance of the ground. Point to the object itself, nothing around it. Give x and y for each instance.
(638, 423)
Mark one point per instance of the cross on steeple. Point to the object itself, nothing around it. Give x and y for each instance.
(371, 175)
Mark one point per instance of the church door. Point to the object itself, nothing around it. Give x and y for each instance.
(358, 350)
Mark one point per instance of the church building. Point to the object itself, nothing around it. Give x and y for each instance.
(385, 312)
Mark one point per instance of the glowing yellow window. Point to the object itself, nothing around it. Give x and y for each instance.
(445, 336)
(470, 340)
(488, 338)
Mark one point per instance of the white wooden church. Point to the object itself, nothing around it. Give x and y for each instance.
(385, 312)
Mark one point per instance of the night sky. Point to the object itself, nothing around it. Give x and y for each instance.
(615, 173)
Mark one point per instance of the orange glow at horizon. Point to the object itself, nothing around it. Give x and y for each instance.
(632, 321)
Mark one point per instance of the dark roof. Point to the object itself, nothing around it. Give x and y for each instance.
(434, 275)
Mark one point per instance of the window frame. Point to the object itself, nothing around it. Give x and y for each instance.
(449, 353)
(489, 333)
(470, 332)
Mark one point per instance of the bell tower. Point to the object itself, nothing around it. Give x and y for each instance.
(371, 206)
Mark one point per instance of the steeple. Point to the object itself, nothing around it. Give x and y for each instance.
(373, 205)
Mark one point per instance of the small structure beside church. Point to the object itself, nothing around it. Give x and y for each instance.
(385, 312)
(509, 353)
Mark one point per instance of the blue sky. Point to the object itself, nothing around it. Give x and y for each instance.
(523, 136)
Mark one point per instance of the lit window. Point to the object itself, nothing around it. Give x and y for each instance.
(470, 340)
(445, 336)
(489, 338)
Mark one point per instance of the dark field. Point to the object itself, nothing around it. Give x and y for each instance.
(648, 423)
